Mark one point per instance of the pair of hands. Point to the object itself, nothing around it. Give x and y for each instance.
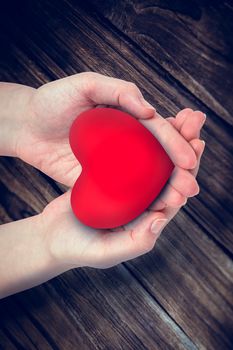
(41, 139)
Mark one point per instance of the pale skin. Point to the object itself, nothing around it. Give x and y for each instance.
(35, 249)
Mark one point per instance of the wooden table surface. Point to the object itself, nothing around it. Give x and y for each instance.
(179, 296)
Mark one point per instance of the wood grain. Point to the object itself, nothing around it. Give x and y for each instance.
(179, 296)
(198, 53)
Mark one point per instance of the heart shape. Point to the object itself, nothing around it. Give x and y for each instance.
(124, 168)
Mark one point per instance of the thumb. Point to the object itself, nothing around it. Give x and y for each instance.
(137, 238)
(100, 89)
(145, 230)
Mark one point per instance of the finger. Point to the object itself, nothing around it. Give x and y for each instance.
(170, 213)
(172, 121)
(184, 182)
(198, 146)
(180, 186)
(178, 149)
(100, 89)
(171, 197)
(157, 205)
(136, 239)
(182, 116)
(143, 221)
(188, 123)
(192, 125)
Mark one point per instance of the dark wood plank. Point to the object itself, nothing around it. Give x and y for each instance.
(6, 343)
(192, 286)
(42, 321)
(35, 193)
(4, 217)
(106, 297)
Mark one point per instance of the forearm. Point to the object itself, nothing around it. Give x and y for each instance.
(14, 100)
(25, 260)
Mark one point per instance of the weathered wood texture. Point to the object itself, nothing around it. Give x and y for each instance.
(179, 296)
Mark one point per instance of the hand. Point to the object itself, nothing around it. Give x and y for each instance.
(44, 127)
(181, 184)
(189, 124)
(77, 245)
(44, 138)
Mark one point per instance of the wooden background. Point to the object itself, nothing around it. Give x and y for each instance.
(179, 296)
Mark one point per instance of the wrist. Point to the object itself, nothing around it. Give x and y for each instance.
(14, 113)
(53, 242)
(24, 256)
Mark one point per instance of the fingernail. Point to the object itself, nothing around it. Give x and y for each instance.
(197, 191)
(203, 119)
(203, 142)
(157, 226)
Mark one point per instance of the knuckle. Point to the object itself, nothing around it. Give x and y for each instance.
(177, 199)
(125, 89)
(132, 86)
(184, 112)
(192, 186)
(88, 74)
(89, 82)
(148, 245)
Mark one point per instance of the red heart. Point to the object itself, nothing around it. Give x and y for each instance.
(124, 167)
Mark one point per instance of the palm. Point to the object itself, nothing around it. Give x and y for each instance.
(46, 145)
(70, 238)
